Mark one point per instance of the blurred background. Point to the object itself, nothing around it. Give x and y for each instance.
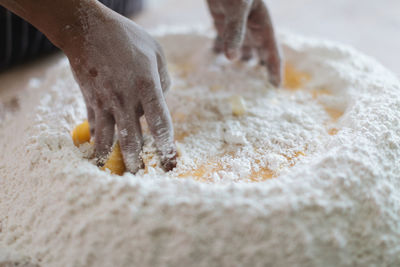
(371, 26)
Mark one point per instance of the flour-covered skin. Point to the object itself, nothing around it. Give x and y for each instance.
(244, 26)
(122, 73)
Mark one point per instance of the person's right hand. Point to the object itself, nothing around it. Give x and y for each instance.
(122, 74)
(244, 26)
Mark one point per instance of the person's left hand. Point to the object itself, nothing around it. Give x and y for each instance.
(244, 26)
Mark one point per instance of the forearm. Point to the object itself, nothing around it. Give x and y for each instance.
(60, 20)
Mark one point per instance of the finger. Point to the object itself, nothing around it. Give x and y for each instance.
(130, 140)
(90, 115)
(219, 26)
(273, 63)
(160, 124)
(104, 135)
(92, 120)
(218, 44)
(219, 23)
(247, 49)
(163, 72)
(263, 37)
(234, 30)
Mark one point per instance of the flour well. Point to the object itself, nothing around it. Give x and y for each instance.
(306, 175)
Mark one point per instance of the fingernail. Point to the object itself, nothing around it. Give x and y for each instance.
(134, 164)
(168, 161)
(168, 164)
(275, 80)
(231, 53)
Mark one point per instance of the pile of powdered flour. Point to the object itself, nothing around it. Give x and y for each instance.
(305, 176)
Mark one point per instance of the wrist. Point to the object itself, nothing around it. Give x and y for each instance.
(62, 21)
(69, 32)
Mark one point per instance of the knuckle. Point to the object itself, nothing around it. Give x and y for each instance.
(132, 148)
(144, 83)
(149, 99)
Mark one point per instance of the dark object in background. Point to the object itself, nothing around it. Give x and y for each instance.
(20, 41)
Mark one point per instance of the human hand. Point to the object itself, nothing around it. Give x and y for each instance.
(246, 25)
(122, 74)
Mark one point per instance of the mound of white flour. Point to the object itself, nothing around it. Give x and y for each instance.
(332, 148)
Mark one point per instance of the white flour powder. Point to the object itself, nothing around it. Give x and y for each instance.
(331, 148)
